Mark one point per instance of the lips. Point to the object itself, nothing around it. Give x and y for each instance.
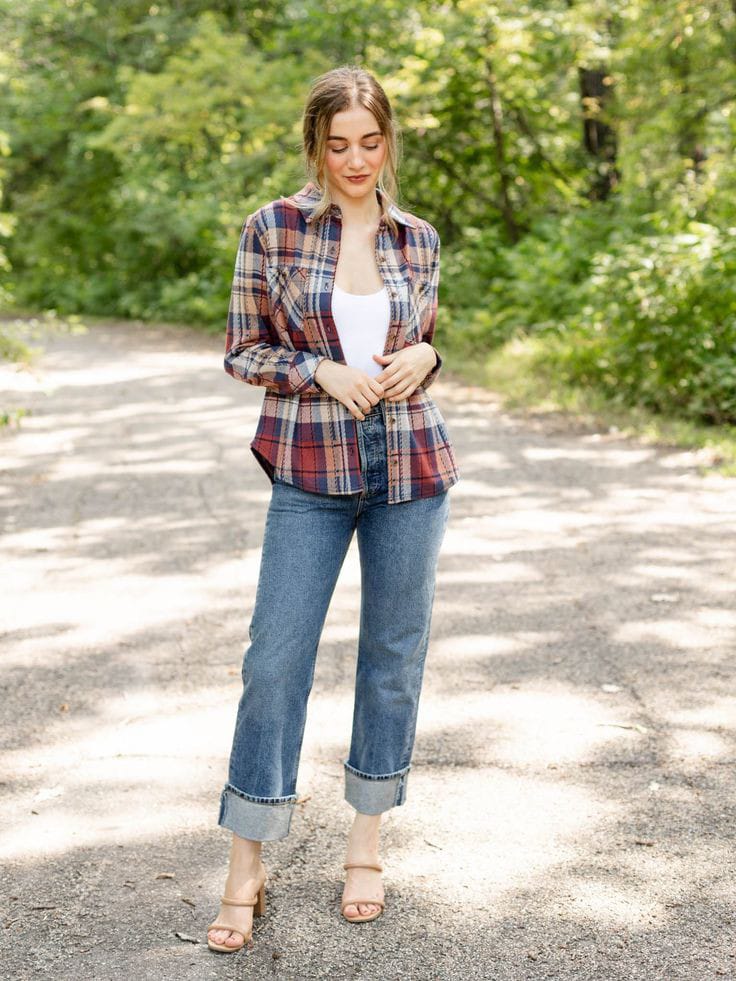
(358, 179)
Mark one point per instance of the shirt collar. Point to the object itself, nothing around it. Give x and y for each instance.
(307, 198)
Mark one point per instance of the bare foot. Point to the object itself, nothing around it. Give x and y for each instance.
(363, 883)
(245, 877)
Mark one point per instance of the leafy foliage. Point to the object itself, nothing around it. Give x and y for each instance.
(576, 156)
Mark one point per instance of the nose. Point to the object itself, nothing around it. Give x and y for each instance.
(356, 158)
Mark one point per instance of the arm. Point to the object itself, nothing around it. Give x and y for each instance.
(252, 352)
(428, 332)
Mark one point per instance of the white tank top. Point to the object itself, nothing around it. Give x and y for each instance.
(362, 324)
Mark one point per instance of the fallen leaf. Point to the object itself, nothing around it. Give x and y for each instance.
(186, 938)
(166, 875)
(189, 902)
(624, 725)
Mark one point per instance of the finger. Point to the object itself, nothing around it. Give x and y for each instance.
(372, 395)
(392, 377)
(397, 382)
(404, 393)
(390, 369)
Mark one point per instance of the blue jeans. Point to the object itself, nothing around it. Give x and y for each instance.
(305, 541)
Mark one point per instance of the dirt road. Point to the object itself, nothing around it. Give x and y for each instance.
(571, 806)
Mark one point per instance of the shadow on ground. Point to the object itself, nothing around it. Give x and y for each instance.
(570, 810)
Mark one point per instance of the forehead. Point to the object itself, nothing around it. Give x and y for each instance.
(355, 122)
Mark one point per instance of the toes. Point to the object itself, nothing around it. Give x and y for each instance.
(360, 909)
(231, 938)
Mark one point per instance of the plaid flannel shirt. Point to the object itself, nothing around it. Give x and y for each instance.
(280, 327)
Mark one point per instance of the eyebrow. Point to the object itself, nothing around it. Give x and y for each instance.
(365, 136)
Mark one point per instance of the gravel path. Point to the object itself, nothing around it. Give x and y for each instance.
(571, 807)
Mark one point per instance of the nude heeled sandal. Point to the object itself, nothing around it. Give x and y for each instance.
(259, 904)
(354, 902)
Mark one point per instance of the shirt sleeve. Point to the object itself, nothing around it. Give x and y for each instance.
(252, 352)
(428, 333)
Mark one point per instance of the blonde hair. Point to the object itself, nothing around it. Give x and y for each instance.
(347, 87)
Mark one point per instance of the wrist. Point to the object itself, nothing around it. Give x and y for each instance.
(319, 367)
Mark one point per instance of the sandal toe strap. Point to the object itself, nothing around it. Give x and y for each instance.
(224, 926)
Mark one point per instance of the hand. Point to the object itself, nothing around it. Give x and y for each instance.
(405, 369)
(357, 391)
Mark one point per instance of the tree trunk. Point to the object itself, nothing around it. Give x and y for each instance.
(598, 137)
(497, 122)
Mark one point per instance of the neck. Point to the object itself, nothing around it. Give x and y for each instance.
(365, 210)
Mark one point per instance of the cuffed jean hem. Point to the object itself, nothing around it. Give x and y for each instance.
(373, 794)
(256, 818)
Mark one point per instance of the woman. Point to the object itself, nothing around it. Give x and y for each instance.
(333, 308)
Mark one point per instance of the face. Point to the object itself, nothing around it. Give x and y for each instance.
(355, 148)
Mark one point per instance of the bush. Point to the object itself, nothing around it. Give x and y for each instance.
(646, 315)
(657, 325)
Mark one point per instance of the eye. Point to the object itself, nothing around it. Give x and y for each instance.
(374, 146)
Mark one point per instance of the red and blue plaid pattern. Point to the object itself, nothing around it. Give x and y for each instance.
(280, 327)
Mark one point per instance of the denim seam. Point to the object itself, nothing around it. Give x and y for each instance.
(400, 791)
(260, 800)
(374, 776)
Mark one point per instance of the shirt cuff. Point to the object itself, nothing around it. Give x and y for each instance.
(431, 376)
